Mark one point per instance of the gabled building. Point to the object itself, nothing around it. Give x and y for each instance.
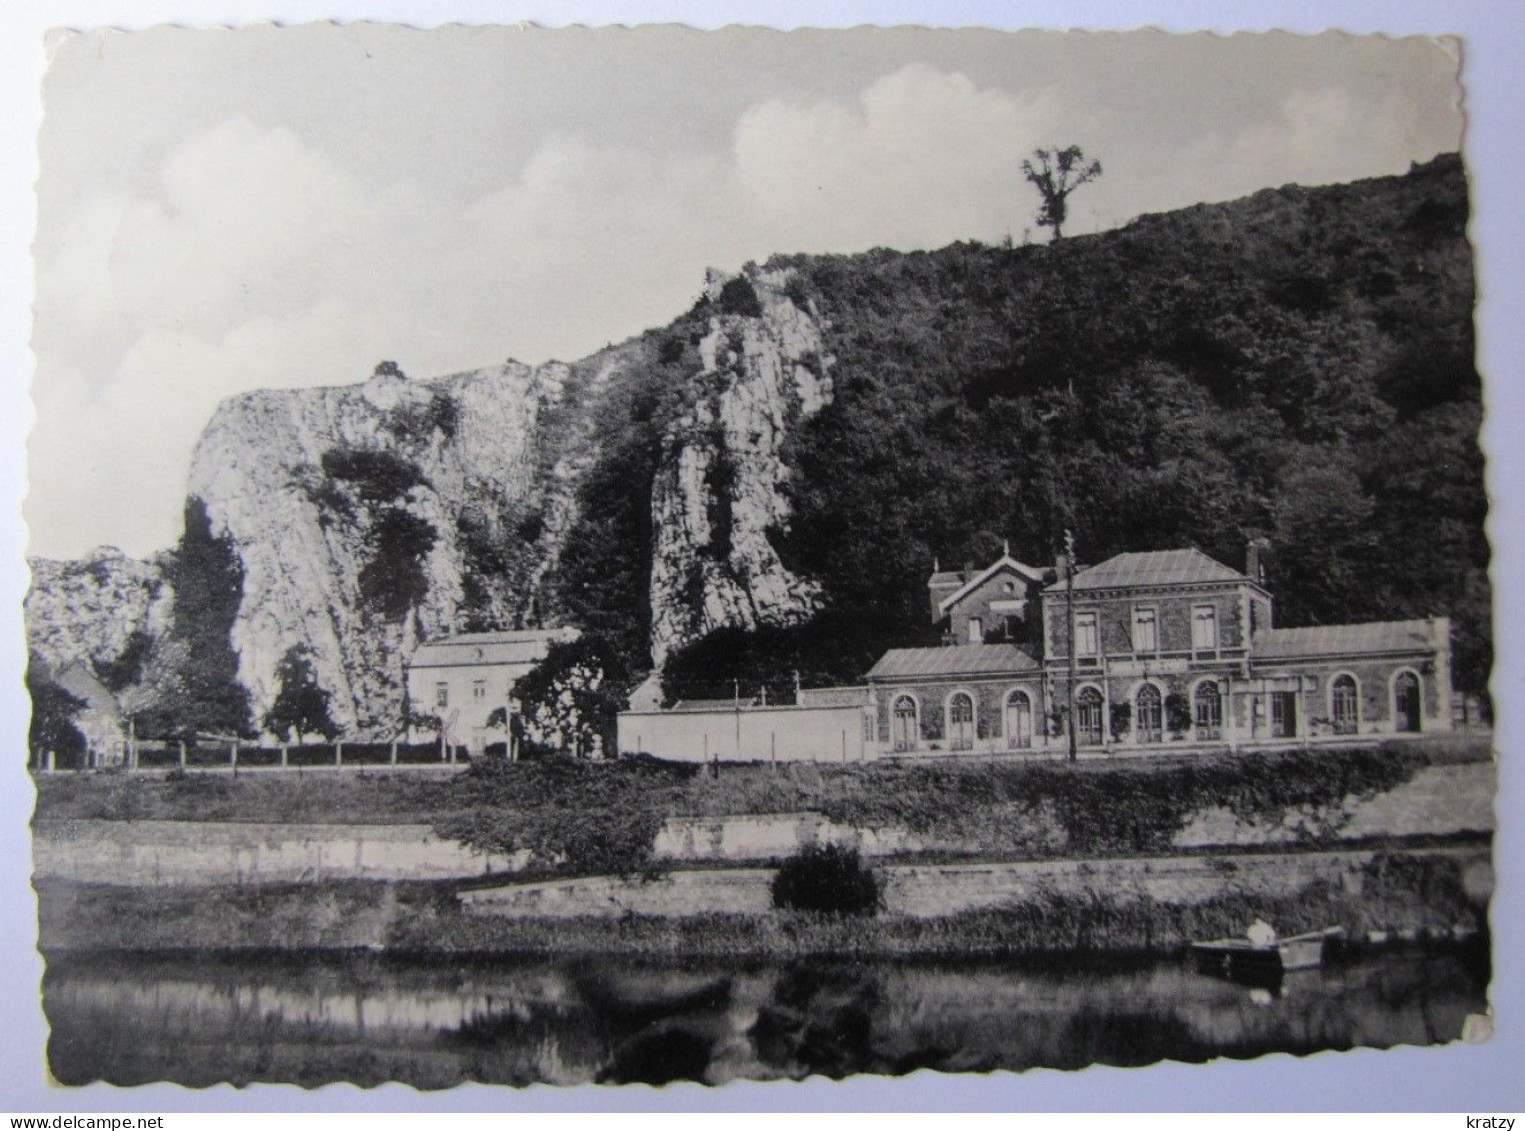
(100, 720)
(462, 679)
(994, 604)
(1171, 648)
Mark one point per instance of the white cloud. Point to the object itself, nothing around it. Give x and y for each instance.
(1315, 136)
(925, 158)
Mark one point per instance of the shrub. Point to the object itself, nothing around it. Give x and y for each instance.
(393, 580)
(376, 476)
(832, 879)
(738, 296)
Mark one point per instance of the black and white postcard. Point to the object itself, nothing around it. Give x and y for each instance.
(647, 555)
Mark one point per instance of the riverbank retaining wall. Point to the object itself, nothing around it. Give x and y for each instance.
(196, 853)
(931, 891)
(1439, 801)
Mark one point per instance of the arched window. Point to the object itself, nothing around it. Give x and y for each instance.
(903, 728)
(1088, 717)
(1149, 724)
(1345, 704)
(960, 722)
(1208, 708)
(1407, 715)
(1019, 720)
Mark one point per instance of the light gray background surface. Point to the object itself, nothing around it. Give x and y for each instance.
(1454, 1078)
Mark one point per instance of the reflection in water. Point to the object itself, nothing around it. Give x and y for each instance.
(203, 1020)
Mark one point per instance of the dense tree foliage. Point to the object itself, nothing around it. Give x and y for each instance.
(564, 703)
(393, 580)
(301, 705)
(602, 579)
(54, 711)
(1296, 365)
(201, 693)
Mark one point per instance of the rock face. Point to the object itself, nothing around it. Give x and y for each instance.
(368, 517)
(91, 609)
(720, 489)
(371, 516)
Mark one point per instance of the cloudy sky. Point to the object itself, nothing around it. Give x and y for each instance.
(222, 211)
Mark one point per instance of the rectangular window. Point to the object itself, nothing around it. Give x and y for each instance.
(1283, 714)
(1204, 629)
(1145, 637)
(1085, 634)
(442, 695)
(479, 690)
(976, 631)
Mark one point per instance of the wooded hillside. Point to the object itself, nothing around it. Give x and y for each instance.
(1298, 364)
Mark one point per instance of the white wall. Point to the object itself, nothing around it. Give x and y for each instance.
(753, 734)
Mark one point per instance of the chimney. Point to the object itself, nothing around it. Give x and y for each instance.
(968, 569)
(1254, 568)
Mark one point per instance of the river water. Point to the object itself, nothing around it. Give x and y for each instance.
(311, 1020)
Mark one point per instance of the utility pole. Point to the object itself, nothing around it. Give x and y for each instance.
(1069, 616)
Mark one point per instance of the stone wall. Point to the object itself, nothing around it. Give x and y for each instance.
(1438, 801)
(196, 853)
(930, 891)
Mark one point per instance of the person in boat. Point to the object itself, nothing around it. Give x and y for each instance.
(1261, 933)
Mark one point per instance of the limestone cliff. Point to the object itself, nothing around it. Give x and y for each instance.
(95, 608)
(720, 488)
(362, 516)
(369, 516)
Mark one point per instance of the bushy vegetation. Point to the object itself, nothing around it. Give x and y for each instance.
(565, 700)
(827, 879)
(1128, 808)
(738, 296)
(377, 476)
(419, 421)
(601, 582)
(393, 580)
(301, 705)
(592, 816)
(595, 817)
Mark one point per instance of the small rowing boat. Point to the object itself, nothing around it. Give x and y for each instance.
(1264, 950)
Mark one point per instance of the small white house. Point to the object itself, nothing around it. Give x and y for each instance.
(462, 679)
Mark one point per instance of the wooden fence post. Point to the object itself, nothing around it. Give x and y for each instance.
(233, 757)
(182, 753)
(52, 763)
(393, 757)
(338, 753)
(283, 755)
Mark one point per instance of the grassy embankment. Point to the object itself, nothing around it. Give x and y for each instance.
(1400, 892)
(579, 817)
(602, 818)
